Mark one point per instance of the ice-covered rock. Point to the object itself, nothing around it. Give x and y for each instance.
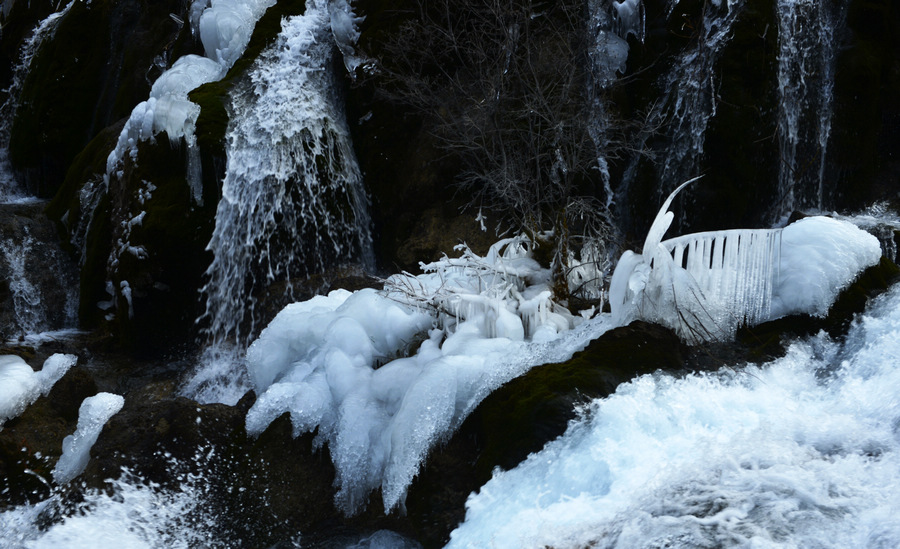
(21, 386)
(384, 376)
(93, 414)
(706, 285)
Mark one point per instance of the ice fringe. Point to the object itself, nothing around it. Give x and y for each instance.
(706, 285)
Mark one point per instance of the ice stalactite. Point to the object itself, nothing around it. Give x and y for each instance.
(9, 188)
(807, 43)
(293, 202)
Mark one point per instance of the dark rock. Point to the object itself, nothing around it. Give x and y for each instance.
(97, 66)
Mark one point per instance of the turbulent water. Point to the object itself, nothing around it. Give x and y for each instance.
(800, 452)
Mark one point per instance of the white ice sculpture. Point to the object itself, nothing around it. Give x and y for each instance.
(706, 285)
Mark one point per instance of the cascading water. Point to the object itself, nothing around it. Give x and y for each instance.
(26, 298)
(42, 293)
(807, 36)
(292, 199)
(688, 102)
(800, 452)
(9, 187)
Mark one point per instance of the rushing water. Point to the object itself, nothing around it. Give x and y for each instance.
(807, 40)
(292, 201)
(800, 452)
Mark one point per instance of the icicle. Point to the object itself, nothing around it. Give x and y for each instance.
(732, 278)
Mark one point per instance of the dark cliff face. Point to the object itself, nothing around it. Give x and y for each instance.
(98, 64)
(104, 56)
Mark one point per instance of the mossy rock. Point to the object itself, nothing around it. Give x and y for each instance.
(526, 413)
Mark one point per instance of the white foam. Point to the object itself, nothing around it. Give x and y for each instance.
(801, 452)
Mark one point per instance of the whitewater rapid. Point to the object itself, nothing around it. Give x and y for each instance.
(799, 452)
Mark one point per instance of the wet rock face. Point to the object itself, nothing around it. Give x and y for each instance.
(37, 279)
(98, 65)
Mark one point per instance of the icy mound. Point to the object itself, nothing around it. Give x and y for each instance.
(819, 257)
(464, 325)
(21, 386)
(802, 452)
(93, 414)
(705, 285)
(168, 108)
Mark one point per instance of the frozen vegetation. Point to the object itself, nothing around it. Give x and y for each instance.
(706, 285)
(386, 375)
(21, 386)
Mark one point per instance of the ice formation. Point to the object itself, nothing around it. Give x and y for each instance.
(93, 414)
(384, 376)
(800, 452)
(706, 285)
(224, 29)
(612, 23)
(21, 386)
